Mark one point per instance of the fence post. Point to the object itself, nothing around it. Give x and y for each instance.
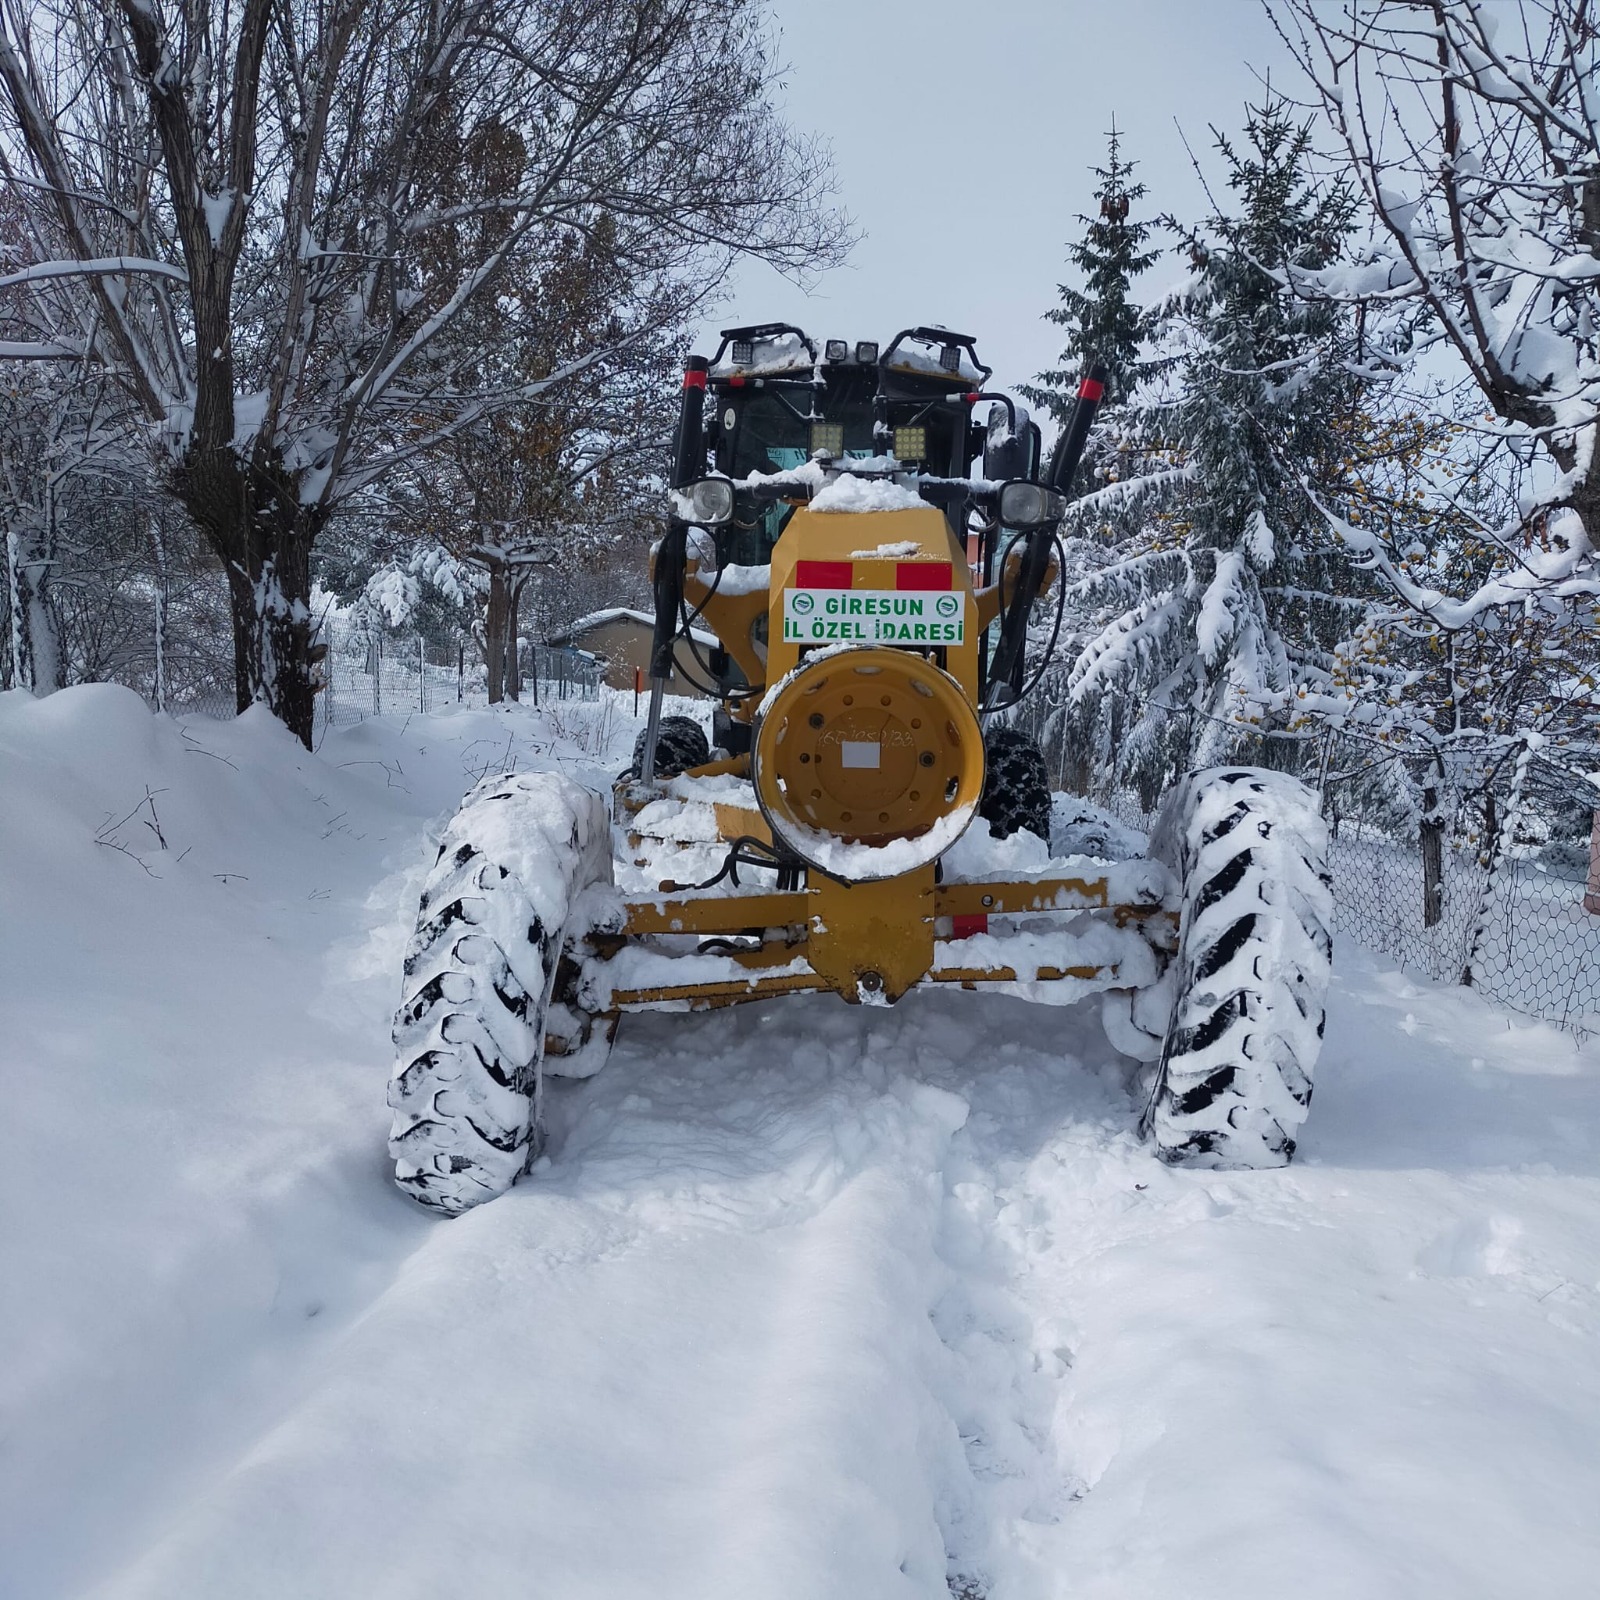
(1502, 845)
(422, 677)
(377, 677)
(1591, 897)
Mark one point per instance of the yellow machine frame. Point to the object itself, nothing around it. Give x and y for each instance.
(867, 941)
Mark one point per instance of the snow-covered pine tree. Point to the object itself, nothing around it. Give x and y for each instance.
(1225, 594)
(1103, 319)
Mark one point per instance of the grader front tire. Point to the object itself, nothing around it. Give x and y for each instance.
(470, 1030)
(680, 744)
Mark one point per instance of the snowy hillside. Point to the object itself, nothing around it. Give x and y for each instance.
(805, 1301)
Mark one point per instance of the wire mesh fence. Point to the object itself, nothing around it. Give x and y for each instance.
(1484, 882)
(370, 672)
(1471, 869)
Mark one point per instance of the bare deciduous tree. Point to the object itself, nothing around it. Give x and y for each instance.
(289, 226)
(1474, 130)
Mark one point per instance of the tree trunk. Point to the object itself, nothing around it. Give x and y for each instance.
(271, 612)
(1105, 789)
(35, 649)
(494, 632)
(513, 644)
(252, 518)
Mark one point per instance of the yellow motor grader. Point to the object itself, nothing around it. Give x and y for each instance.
(863, 819)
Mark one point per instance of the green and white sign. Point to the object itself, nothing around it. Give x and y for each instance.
(875, 616)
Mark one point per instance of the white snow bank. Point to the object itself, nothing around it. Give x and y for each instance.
(808, 1300)
(201, 926)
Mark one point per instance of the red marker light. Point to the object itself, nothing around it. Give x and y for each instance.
(1090, 390)
(694, 378)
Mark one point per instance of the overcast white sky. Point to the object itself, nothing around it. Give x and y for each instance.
(963, 132)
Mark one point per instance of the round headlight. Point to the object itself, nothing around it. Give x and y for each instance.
(1030, 505)
(710, 500)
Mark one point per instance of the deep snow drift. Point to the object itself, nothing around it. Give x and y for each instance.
(805, 1301)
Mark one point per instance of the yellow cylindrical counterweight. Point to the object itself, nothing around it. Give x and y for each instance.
(868, 747)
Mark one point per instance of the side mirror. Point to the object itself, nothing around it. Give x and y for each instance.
(1009, 444)
(705, 502)
(1026, 505)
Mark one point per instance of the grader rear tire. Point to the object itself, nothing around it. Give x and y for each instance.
(1254, 958)
(1016, 786)
(680, 744)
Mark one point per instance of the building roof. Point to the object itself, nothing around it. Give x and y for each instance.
(598, 619)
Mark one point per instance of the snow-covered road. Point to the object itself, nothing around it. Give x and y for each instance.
(805, 1300)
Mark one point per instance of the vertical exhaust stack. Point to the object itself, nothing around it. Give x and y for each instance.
(1069, 448)
(1006, 672)
(667, 581)
(690, 459)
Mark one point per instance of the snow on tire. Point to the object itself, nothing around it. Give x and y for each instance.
(496, 911)
(1254, 958)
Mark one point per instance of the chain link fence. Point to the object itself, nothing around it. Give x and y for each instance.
(1480, 879)
(1470, 869)
(370, 672)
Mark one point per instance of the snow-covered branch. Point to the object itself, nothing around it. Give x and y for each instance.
(104, 267)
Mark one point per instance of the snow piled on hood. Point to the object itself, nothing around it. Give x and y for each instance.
(850, 493)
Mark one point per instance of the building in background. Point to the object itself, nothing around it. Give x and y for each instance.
(621, 638)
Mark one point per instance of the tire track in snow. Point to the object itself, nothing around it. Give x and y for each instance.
(1038, 1083)
(709, 1310)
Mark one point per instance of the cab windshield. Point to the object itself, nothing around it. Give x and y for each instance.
(769, 436)
(777, 428)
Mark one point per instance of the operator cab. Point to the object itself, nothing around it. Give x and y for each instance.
(778, 402)
(772, 418)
